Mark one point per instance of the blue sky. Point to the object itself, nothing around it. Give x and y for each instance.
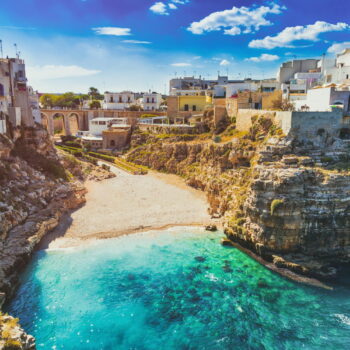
(115, 45)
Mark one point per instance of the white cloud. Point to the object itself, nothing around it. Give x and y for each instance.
(237, 20)
(57, 71)
(136, 42)
(117, 31)
(289, 35)
(225, 63)
(181, 64)
(159, 8)
(338, 47)
(265, 57)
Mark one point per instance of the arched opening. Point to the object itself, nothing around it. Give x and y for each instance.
(112, 143)
(59, 127)
(73, 120)
(344, 133)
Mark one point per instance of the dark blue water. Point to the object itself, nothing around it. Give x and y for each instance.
(176, 289)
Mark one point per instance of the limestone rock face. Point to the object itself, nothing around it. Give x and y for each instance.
(37, 186)
(12, 336)
(285, 199)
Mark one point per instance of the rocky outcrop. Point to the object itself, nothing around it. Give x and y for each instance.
(284, 199)
(12, 336)
(37, 186)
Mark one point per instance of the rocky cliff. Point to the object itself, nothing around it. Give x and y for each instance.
(285, 199)
(37, 186)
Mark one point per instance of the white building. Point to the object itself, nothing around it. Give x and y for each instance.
(325, 99)
(34, 104)
(119, 100)
(340, 71)
(151, 101)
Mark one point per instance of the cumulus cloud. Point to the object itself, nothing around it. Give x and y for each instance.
(159, 8)
(289, 35)
(225, 63)
(181, 64)
(162, 8)
(57, 71)
(265, 57)
(338, 47)
(136, 42)
(117, 31)
(237, 20)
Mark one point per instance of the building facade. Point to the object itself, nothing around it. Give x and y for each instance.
(151, 101)
(119, 100)
(15, 100)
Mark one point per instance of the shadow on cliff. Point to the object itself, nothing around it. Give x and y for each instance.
(59, 231)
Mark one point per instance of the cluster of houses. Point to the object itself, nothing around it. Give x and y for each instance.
(307, 85)
(126, 100)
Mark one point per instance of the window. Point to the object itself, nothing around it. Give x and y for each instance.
(152, 99)
(194, 108)
(186, 108)
(2, 90)
(112, 143)
(111, 99)
(147, 99)
(347, 76)
(120, 99)
(129, 99)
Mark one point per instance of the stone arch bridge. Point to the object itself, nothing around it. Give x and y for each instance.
(66, 122)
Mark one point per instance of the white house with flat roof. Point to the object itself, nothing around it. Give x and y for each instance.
(340, 71)
(151, 101)
(119, 100)
(325, 99)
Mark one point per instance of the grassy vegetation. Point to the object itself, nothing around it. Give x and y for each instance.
(275, 205)
(6, 328)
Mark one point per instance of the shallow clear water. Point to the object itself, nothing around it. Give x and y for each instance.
(175, 289)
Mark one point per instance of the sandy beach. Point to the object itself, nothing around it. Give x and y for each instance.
(131, 203)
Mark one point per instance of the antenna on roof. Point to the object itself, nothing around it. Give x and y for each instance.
(2, 53)
(16, 49)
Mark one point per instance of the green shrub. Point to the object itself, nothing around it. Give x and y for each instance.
(73, 144)
(102, 156)
(275, 204)
(217, 139)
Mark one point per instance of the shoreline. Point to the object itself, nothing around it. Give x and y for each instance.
(130, 204)
(284, 272)
(65, 234)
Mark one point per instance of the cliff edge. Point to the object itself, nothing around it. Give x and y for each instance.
(284, 198)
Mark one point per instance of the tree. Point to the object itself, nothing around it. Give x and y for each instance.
(94, 104)
(135, 108)
(47, 100)
(283, 105)
(95, 94)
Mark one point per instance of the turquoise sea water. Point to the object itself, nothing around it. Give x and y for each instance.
(175, 289)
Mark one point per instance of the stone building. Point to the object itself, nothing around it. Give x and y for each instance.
(15, 94)
(251, 100)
